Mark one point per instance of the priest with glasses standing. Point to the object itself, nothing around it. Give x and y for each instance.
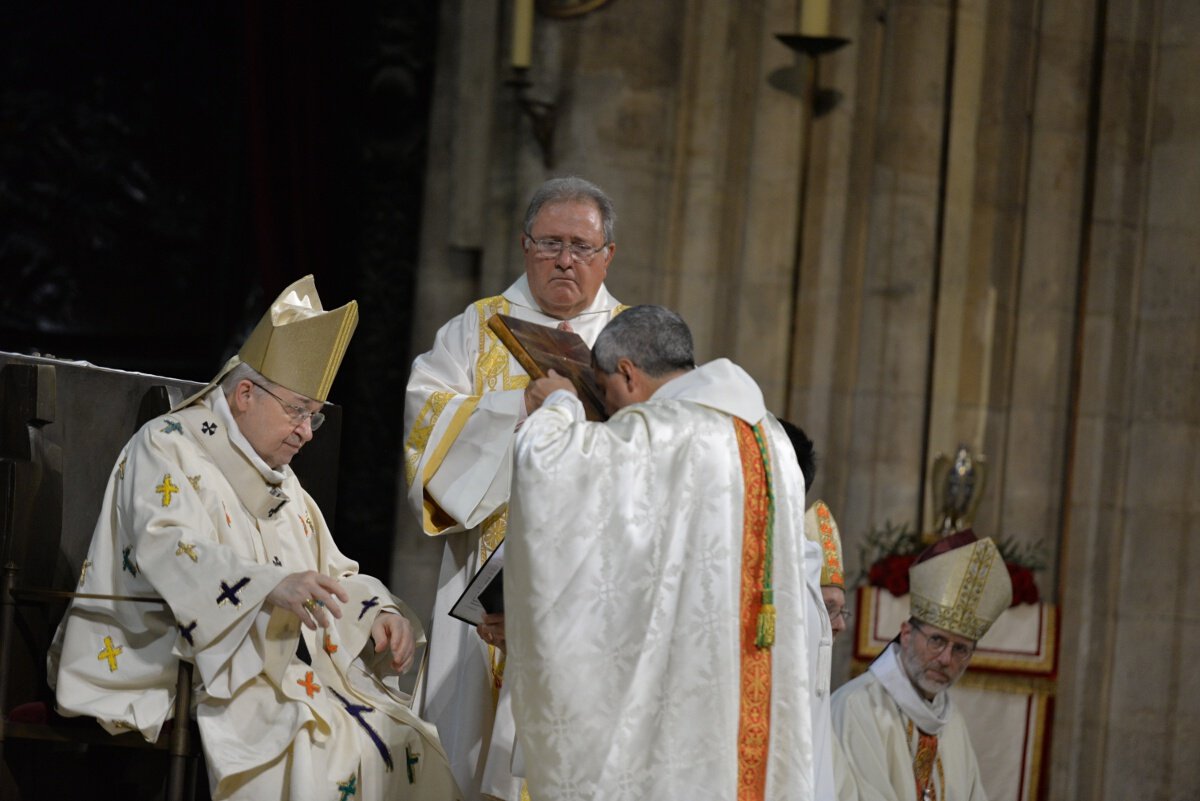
(465, 400)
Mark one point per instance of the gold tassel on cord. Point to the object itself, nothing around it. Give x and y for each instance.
(766, 626)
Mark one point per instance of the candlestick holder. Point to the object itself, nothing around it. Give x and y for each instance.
(812, 45)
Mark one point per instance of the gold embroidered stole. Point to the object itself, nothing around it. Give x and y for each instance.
(754, 719)
(925, 760)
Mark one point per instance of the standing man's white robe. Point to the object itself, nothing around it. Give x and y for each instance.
(192, 515)
(872, 716)
(820, 654)
(464, 400)
(622, 586)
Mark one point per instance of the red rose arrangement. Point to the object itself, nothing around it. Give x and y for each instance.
(891, 551)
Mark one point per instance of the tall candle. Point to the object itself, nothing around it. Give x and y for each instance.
(814, 18)
(522, 34)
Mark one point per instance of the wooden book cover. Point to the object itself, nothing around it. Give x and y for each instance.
(540, 349)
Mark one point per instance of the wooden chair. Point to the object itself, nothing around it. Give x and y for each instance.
(62, 425)
(32, 516)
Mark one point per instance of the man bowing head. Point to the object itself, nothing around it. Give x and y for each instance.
(654, 581)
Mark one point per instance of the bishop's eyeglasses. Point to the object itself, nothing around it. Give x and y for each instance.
(297, 414)
(581, 253)
(936, 643)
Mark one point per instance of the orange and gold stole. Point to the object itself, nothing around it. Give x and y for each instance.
(754, 719)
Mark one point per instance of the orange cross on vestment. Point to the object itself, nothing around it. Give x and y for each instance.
(309, 685)
(330, 648)
(110, 652)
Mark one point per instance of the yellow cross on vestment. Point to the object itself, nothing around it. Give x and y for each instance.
(166, 489)
(186, 548)
(110, 652)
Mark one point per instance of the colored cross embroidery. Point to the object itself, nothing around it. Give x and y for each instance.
(228, 519)
(230, 593)
(121, 468)
(273, 512)
(330, 648)
(309, 685)
(166, 489)
(374, 601)
(187, 549)
(83, 570)
(356, 711)
(110, 652)
(306, 521)
(209, 428)
(127, 563)
(348, 788)
(411, 760)
(195, 482)
(173, 427)
(186, 632)
(276, 561)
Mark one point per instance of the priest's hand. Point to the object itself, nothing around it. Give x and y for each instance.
(537, 391)
(311, 596)
(393, 631)
(491, 630)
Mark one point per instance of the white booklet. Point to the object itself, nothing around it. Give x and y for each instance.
(484, 593)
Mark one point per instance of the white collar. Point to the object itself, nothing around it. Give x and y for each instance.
(520, 294)
(720, 385)
(221, 406)
(930, 716)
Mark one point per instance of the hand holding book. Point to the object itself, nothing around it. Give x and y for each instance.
(540, 389)
(539, 349)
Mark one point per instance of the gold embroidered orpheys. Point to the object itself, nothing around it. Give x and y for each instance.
(754, 715)
(925, 758)
(491, 534)
(492, 531)
(493, 365)
(820, 527)
(422, 428)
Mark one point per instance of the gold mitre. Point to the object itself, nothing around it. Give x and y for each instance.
(960, 584)
(296, 344)
(821, 528)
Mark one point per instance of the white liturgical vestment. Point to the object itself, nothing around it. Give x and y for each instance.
(820, 664)
(464, 400)
(192, 515)
(622, 584)
(878, 717)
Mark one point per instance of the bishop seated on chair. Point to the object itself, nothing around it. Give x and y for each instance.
(291, 644)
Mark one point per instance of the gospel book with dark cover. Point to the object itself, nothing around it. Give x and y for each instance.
(540, 349)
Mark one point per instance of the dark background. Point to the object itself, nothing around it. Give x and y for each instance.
(167, 168)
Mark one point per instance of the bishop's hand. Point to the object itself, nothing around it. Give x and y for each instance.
(311, 596)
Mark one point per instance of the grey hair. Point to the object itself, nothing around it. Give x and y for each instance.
(572, 188)
(243, 371)
(654, 338)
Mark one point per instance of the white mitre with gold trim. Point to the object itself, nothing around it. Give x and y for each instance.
(297, 344)
(821, 528)
(960, 584)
